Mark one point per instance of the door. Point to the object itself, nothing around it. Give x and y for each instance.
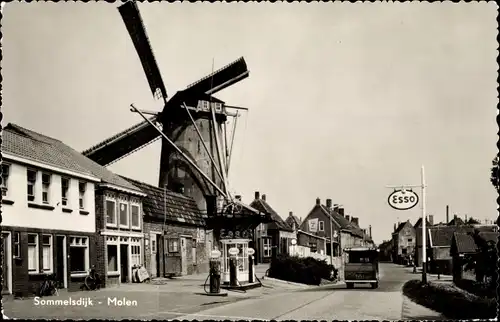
(5, 263)
(61, 260)
(183, 256)
(154, 251)
(124, 263)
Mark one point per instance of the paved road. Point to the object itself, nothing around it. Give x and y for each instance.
(323, 303)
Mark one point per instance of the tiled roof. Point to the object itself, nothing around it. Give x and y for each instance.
(456, 221)
(442, 236)
(419, 223)
(263, 206)
(343, 222)
(464, 242)
(489, 236)
(401, 225)
(290, 220)
(37, 147)
(180, 208)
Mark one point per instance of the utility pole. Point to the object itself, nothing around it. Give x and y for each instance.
(424, 237)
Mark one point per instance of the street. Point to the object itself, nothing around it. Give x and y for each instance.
(184, 299)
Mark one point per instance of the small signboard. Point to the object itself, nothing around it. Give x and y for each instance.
(142, 274)
(403, 199)
(313, 225)
(250, 251)
(215, 253)
(233, 251)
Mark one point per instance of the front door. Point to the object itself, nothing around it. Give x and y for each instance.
(124, 263)
(154, 252)
(61, 260)
(183, 256)
(5, 263)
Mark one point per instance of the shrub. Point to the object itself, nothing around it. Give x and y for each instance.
(301, 270)
(449, 300)
(480, 289)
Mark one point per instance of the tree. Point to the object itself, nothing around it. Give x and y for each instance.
(494, 178)
(484, 262)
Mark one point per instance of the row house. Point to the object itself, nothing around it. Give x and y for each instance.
(58, 211)
(330, 222)
(273, 238)
(403, 241)
(48, 213)
(176, 240)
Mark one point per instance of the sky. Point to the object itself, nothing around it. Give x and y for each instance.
(344, 99)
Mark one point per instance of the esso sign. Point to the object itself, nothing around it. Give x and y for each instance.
(403, 199)
(233, 251)
(250, 251)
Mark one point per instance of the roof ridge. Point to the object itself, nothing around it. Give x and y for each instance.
(158, 189)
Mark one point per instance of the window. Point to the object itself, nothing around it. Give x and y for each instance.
(112, 258)
(135, 255)
(79, 255)
(173, 245)
(31, 184)
(267, 247)
(110, 212)
(123, 214)
(5, 178)
(45, 187)
(17, 247)
(81, 190)
(410, 240)
(64, 191)
(153, 246)
(321, 226)
(47, 253)
(134, 209)
(33, 253)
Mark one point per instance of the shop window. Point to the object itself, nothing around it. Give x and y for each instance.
(33, 253)
(79, 255)
(112, 258)
(136, 255)
(47, 253)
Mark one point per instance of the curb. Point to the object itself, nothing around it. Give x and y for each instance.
(411, 310)
(286, 282)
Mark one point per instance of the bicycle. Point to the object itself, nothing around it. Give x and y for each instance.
(92, 281)
(48, 287)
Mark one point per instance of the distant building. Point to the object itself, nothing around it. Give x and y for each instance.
(403, 241)
(271, 238)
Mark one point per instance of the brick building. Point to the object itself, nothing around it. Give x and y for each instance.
(271, 238)
(48, 213)
(174, 229)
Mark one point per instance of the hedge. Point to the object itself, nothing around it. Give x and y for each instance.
(306, 270)
(476, 288)
(451, 301)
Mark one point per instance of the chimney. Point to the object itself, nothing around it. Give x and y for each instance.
(447, 214)
(394, 226)
(431, 220)
(341, 211)
(355, 220)
(348, 218)
(329, 204)
(370, 231)
(465, 218)
(264, 197)
(237, 197)
(257, 195)
(290, 214)
(318, 201)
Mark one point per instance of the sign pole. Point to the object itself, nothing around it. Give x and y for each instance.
(424, 237)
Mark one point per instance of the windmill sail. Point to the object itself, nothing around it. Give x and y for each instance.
(123, 143)
(133, 21)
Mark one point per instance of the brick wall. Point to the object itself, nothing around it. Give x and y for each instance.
(100, 241)
(25, 284)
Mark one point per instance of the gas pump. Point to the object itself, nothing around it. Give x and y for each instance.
(251, 273)
(214, 274)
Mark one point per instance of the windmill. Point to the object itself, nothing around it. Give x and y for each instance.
(196, 151)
